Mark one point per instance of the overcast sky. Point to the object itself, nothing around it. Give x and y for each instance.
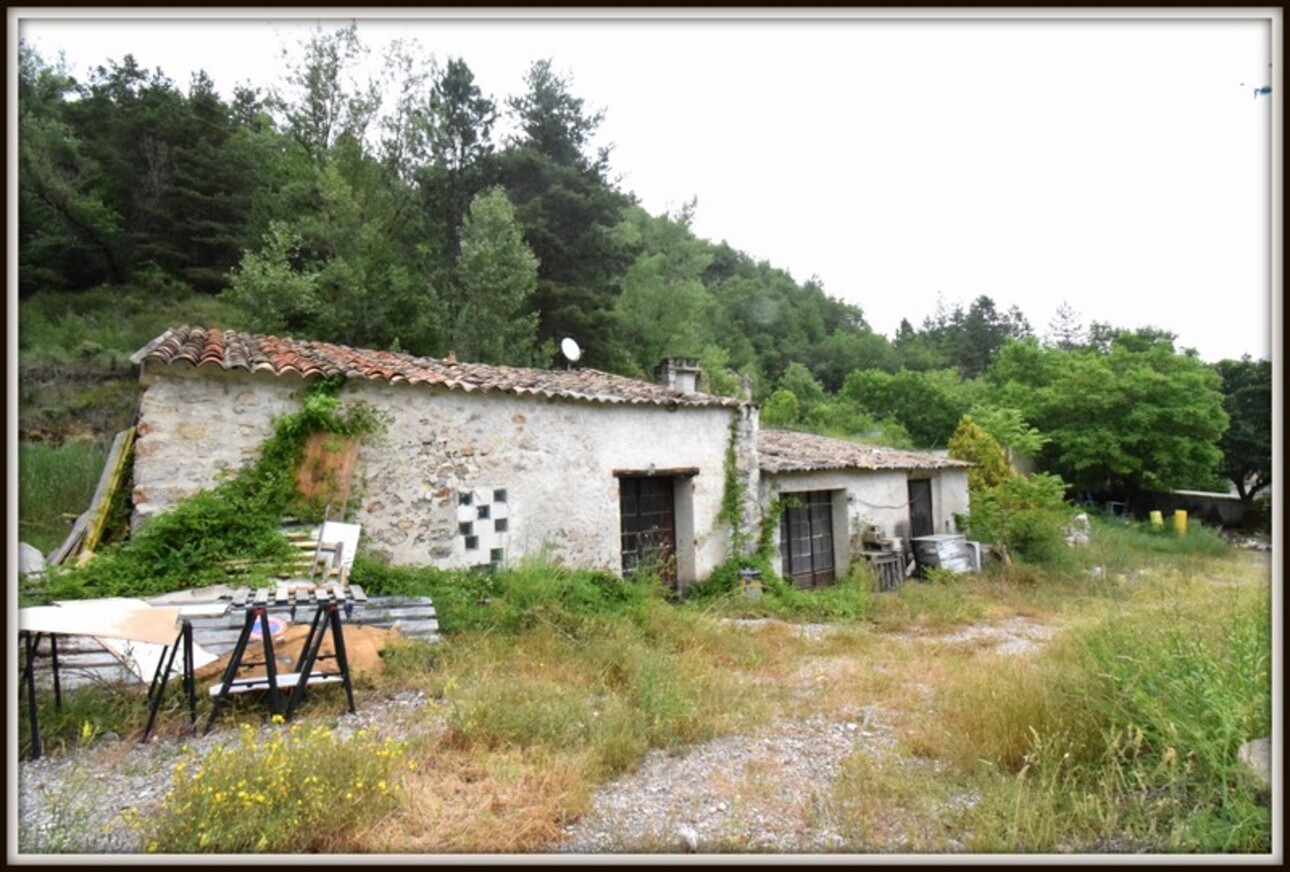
(1121, 166)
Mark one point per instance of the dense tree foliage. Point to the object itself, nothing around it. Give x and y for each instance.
(1247, 444)
(1125, 416)
(381, 212)
(496, 275)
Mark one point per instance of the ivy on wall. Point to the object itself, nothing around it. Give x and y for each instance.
(238, 519)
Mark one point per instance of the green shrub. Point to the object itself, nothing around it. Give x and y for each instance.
(1026, 514)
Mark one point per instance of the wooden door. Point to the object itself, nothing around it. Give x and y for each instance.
(920, 508)
(807, 535)
(648, 511)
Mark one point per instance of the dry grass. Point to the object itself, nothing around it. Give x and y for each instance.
(503, 801)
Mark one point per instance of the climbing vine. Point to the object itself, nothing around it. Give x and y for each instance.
(239, 519)
(732, 502)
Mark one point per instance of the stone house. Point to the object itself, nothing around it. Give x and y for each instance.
(482, 465)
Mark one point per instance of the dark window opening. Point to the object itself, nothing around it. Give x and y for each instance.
(920, 508)
(499, 525)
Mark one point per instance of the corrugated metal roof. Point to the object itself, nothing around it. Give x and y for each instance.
(275, 355)
(789, 451)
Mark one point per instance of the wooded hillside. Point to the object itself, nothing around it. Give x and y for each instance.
(318, 208)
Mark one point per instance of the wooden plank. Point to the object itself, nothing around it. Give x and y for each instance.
(284, 681)
(107, 488)
(72, 543)
(148, 624)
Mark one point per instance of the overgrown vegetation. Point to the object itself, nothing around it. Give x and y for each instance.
(279, 794)
(54, 482)
(1123, 736)
(238, 519)
(1119, 734)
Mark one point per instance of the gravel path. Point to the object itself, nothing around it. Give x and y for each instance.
(740, 793)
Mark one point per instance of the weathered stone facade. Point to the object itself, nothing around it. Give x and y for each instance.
(195, 424)
(543, 467)
(480, 465)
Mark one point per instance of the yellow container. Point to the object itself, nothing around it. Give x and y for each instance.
(1180, 522)
(1157, 519)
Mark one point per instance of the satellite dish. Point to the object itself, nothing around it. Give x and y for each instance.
(570, 349)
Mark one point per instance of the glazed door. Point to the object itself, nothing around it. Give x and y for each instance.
(807, 534)
(648, 516)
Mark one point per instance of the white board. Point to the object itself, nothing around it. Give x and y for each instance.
(130, 630)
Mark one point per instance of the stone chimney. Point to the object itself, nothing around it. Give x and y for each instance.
(679, 374)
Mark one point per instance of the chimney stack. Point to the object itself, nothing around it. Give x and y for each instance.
(679, 374)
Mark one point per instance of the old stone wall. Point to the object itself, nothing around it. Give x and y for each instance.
(433, 487)
(194, 424)
(456, 479)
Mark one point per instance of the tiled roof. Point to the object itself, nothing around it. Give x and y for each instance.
(788, 451)
(231, 350)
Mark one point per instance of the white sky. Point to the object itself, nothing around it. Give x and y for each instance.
(1122, 166)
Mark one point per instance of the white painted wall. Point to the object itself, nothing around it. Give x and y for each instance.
(871, 498)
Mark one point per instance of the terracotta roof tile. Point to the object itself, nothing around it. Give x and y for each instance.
(788, 451)
(230, 350)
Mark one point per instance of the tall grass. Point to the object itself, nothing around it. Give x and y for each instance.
(54, 481)
(612, 688)
(1125, 737)
(556, 682)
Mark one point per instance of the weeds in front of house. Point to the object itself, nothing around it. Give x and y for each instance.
(537, 714)
(298, 789)
(1124, 736)
(86, 714)
(849, 598)
(941, 601)
(610, 689)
